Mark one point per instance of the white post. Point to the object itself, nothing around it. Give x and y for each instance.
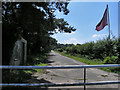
(25, 49)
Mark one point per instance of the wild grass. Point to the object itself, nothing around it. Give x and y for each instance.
(24, 75)
(36, 70)
(91, 62)
(84, 60)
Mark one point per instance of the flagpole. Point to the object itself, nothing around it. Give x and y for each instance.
(108, 23)
(109, 32)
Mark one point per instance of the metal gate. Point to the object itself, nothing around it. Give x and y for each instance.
(59, 84)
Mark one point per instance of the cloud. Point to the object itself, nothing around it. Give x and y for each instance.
(98, 35)
(72, 41)
(69, 33)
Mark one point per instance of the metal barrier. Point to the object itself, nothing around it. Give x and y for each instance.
(60, 67)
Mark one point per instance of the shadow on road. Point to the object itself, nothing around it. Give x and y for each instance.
(49, 61)
(32, 81)
(51, 55)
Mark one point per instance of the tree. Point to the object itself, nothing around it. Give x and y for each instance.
(35, 22)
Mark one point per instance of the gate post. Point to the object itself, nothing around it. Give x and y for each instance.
(84, 78)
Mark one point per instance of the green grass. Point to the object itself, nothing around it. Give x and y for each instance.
(41, 64)
(91, 62)
(84, 60)
(35, 70)
(36, 60)
(24, 75)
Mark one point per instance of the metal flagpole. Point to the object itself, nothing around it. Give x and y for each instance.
(108, 22)
(109, 42)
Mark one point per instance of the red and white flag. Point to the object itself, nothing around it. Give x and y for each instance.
(103, 21)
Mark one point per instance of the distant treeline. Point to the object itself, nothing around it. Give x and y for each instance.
(105, 50)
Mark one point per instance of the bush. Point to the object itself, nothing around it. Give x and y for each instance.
(111, 60)
(94, 50)
(60, 50)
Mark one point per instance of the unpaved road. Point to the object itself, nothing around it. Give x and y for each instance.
(74, 75)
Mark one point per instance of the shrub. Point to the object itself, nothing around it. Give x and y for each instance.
(111, 60)
(94, 50)
(60, 50)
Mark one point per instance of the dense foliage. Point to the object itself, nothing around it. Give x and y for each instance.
(105, 50)
(35, 22)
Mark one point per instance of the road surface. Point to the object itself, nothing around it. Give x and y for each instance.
(74, 75)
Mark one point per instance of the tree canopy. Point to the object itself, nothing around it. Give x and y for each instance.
(35, 22)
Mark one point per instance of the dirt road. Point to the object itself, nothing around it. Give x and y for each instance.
(74, 75)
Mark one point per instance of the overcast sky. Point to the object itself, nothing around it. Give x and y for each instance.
(84, 16)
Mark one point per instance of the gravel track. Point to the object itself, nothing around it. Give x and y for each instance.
(74, 75)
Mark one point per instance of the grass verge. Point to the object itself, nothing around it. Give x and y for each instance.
(91, 62)
(15, 76)
(35, 70)
(84, 60)
(36, 60)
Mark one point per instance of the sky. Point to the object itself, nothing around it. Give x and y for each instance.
(84, 16)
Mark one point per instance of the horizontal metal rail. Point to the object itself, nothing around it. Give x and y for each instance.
(59, 84)
(59, 67)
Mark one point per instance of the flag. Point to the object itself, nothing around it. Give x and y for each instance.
(103, 21)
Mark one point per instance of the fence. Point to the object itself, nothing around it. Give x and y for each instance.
(59, 84)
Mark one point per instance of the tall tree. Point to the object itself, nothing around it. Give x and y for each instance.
(34, 21)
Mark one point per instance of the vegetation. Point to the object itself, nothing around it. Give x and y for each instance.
(101, 52)
(25, 75)
(35, 22)
(82, 59)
